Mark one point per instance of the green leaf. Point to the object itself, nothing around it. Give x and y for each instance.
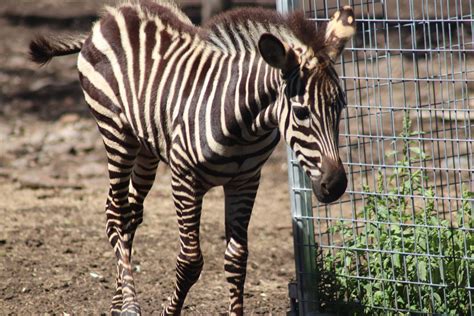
(397, 261)
(422, 272)
(347, 262)
(418, 151)
(437, 299)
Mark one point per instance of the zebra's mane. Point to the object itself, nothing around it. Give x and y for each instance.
(236, 30)
(248, 24)
(167, 11)
(154, 7)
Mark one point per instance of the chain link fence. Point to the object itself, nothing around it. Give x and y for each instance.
(401, 240)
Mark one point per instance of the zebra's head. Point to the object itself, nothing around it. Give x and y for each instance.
(311, 101)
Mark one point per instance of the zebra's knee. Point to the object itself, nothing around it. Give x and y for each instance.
(189, 267)
(123, 220)
(236, 251)
(137, 215)
(235, 263)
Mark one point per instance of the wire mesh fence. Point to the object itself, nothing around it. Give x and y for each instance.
(401, 240)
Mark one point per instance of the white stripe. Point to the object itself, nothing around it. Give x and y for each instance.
(186, 116)
(237, 111)
(103, 46)
(127, 49)
(142, 52)
(155, 56)
(176, 65)
(99, 108)
(210, 99)
(225, 87)
(96, 79)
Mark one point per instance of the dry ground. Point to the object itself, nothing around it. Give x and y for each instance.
(54, 256)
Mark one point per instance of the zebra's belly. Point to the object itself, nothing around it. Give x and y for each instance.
(232, 163)
(218, 174)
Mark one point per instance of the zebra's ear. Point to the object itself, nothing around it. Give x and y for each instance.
(339, 31)
(277, 53)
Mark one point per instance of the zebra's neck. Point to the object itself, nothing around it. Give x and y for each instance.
(239, 31)
(253, 103)
(256, 84)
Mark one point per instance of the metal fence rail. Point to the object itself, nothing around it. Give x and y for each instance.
(401, 240)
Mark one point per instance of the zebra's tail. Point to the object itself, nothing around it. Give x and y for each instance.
(44, 48)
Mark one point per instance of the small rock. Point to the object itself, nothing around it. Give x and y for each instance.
(72, 151)
(96, 276)
(137, 268)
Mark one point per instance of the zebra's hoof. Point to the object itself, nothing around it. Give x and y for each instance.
(130, 313)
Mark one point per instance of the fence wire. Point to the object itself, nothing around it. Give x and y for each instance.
(401, 239)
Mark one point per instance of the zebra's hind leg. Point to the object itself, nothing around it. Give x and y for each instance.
(143, 177)
(239, 201)
(122, 151)
(188, 203)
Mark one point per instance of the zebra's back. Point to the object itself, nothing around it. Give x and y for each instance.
(159, 78)
(127, 67)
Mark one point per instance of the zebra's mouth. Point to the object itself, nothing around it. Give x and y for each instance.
(332, 183)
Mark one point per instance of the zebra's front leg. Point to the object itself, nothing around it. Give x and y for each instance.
(239, 200)
(188, 202)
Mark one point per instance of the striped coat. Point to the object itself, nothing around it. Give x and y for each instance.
(212, 103)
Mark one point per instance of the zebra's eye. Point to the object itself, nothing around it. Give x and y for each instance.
(301, 112)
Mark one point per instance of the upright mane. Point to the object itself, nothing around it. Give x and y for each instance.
(166, 11)
(247, 24)
(236, 30)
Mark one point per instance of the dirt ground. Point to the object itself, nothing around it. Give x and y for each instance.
(54, 255)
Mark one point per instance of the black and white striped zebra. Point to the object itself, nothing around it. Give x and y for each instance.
(211, 102)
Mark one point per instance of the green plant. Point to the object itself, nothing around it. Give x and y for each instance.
(402, 256)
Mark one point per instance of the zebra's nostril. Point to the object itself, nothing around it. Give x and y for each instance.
(332, 183)
(324, 188)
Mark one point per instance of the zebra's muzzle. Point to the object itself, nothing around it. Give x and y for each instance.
(332, 183)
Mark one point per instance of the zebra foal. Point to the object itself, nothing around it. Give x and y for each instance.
(212, 103)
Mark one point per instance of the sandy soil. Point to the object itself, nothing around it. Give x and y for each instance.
(54, 255)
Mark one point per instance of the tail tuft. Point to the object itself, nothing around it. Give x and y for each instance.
(41, 51)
